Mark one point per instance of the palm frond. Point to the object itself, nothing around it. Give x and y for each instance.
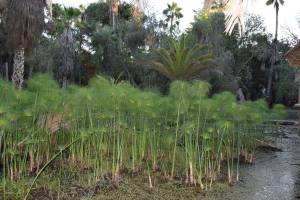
(234, 11)
(181, 62)
(166, 58)
(269, 2)
(25, 22)
(140, 4)
(162, 69)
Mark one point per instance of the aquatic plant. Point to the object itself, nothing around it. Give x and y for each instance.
(121, 127)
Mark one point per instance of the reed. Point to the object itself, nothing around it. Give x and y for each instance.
(121, 127)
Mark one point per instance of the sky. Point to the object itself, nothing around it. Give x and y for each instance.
(288, 14)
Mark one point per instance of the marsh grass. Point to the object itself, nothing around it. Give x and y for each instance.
(122, 128)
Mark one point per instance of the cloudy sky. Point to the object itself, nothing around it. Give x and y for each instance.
(289, 13)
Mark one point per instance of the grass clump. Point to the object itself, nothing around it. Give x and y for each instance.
(122, 128)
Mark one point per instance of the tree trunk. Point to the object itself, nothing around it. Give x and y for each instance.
(66, 57)
(270, 81)
(64, 82)
(6, 71)
(114, 8)
(18, 74)
(114, 21)
(171, 27)
(277, 13)
(274, 58)
(298, 111)
(49, 7)
(207, 5)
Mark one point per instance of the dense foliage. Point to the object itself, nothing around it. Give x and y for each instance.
(126, 51)
(119, 126)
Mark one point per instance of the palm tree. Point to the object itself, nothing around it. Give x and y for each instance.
(207, 5)
(140, 4)
(67, 46)
(173, 14)
(139, 8)
(181, 62)
(114, 9)
(49, 6)
(276, 4)
(234, 11)
(25, 22)
(2, 7)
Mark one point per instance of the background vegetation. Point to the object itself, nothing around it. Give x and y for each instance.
(81, 42)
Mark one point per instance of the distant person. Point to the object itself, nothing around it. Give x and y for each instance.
(264, 92)
(240, 95)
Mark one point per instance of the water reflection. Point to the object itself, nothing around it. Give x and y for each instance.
(275, 175)
(297, 186)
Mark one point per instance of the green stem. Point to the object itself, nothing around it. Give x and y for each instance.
(175, 144)
(47, 164)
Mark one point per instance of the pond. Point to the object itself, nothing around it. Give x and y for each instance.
(275, 175)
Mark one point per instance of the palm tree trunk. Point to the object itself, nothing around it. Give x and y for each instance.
(171, 28)
(18, 74)
(270, 80)
(114, 21)
(66, 68)
(277, 14)
(207, 5)
(6, 71)
(273, 59)
(113, 12)
(49, 7)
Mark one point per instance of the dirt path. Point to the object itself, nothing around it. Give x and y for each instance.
(275, 175)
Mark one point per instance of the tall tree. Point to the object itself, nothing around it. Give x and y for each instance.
(207, 5)
(25, 22)
(276, 4)
(140, 4)
(2, 7)
(49, 6)
(139, 8)
(234, 11)
(173, 15)
(67, 46)
(114, 9)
